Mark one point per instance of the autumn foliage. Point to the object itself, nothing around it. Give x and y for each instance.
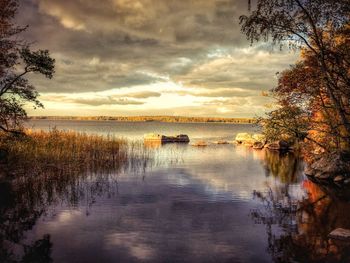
(313, 95)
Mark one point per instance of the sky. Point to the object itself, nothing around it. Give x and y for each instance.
(150, 57)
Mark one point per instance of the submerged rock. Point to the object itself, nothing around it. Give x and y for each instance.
(200, 143)
(340, 233)
(222, 142)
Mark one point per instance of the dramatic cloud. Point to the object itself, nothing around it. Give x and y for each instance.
(143, 94)
(102, 98)
(160, 51)
(105, 101)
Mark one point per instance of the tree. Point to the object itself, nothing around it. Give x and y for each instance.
(16, 62)
(319, 84)
(285, 123)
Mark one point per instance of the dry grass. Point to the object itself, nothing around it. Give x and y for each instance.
(68, 150)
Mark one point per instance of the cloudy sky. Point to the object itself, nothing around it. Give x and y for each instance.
(150, 57)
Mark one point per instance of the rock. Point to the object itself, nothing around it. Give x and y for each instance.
(200, 143)
(259, 138)
(326, 165)
(222, 142)
(330, 166)
(258, 145)
(164, 139)
(249, 143)
(278, 145)
(182, 138)
(308, 171)
(242, 137)
(153, 137)
(340, 233)
(338, 178)
(320, 175)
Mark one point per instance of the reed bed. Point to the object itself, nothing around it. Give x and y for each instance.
(69, 151)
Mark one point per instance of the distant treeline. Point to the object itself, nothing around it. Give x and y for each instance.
(148, 118)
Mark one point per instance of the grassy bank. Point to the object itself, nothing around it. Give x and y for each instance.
(39, 151)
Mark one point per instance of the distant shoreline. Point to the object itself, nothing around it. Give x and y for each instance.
(171, 119)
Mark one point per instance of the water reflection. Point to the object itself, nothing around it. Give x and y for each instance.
(298, 229)
(34, 191)
(194, 208)
(18, 215)
(284, 166)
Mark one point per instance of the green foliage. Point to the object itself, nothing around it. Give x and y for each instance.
(285, 123)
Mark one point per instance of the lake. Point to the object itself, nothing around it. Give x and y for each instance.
(220, 203)
(136, 130)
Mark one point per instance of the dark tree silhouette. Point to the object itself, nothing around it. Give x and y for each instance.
(16, 61)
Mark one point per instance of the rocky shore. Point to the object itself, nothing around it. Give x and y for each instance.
(258, 141)
(330, 168)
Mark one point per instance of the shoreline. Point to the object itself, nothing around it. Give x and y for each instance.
(162, 119)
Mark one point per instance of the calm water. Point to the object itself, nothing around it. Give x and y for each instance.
(136, 130)
(221, 203)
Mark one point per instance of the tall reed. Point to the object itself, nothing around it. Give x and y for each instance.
(68, 150)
